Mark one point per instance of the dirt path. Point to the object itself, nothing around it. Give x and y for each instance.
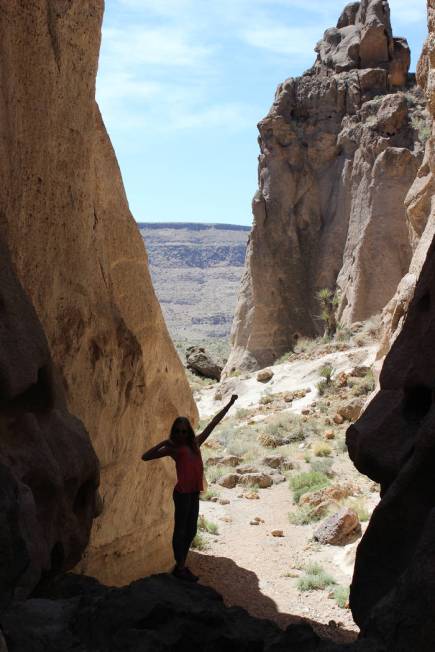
(250, 567)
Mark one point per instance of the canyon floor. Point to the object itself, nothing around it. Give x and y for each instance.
(256, 545)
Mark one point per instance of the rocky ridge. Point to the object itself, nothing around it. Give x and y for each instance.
(196, 271)
(340, 149)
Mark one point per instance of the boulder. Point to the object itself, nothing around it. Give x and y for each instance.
(230, 460)
(352, 410)
(256, 479)
(277, 533)
(277, 478)
(264, 375)
(359, 372)
(331, 495)
(274, 461)
(199, 361)
(246, 468)
(339, 529)
(214, 461)
(229, 481)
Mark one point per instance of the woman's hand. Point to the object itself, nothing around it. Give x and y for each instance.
(233, 398)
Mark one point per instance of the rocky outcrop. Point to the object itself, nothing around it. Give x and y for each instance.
(393, 442)
(81, 260)
(340, 149)
(48, 469)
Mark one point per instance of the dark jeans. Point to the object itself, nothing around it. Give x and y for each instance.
(186, 520)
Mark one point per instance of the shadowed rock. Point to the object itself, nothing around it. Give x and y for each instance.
(48, 470)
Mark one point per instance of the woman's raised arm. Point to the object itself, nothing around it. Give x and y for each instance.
(164, 449)
(214, 422)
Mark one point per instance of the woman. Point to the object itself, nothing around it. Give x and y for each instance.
(184, 448)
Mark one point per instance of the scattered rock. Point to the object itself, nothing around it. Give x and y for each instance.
(352, 410)
(213, 461)
(214, 499)
(339, 528)
(277, 533)
(246, 468)
(332, 494)
(274, 461)
(250, 495)
(306, 411)
(254, 522)
(264, 375)
(329, 434)
(229, 481)
(288, 398)
(258, 519)
(224, 501)
(342, 379)
(199, 361)
(277, 478)
(338, 419)
(255, 479)
(230, 460)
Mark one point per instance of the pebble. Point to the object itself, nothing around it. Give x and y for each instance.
(224, 501)
(277, 533)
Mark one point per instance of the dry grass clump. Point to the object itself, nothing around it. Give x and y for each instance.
(215, 473)
(321, 449)
(304, 515)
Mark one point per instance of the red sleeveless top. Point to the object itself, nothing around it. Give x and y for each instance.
(189, 471)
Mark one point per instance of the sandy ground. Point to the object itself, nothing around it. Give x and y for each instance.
(245, 563)
(257, 571)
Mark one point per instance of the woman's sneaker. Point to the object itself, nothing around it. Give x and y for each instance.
(184, 574)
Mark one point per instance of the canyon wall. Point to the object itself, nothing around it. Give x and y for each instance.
(340, 149)
(80, 258)
(394, 442)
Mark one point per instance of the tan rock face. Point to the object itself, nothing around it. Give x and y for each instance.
(48, 470)
(80, 258)
(339, 152)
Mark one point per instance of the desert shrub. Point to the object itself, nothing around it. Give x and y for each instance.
(204, 525)
(268, 441)
(242, 413)
(284, 358)
(329, 301)
(214, 473)
(326, 372)
(315, 578)
(208, 494)
(323, 465)
(343, 333)
(359, 506)
(422, 127)
(199, 542)
(322, 449)
(266, 399)
(304, 515)
(309, 481)
(322, 386)
(341, 596)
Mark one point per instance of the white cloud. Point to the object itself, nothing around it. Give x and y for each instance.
(283, 40)
(144, 45)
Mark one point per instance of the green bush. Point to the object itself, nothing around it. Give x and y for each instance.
(326, 372)
(323, 465)
(207, 526)
(341, 596)
(358, 505)
(315, 579)
(208, 494)
(322, 386)
(304, 515)
(216, 472)
(309, 481)
(199, 542)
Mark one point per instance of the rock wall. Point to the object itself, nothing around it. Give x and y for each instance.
(48, 469)
(340, 149)
(81, 260)
(393, 442)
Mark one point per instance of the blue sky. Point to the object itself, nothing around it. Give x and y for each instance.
(183, 83)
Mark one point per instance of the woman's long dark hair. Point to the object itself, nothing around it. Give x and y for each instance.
(191, 439)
